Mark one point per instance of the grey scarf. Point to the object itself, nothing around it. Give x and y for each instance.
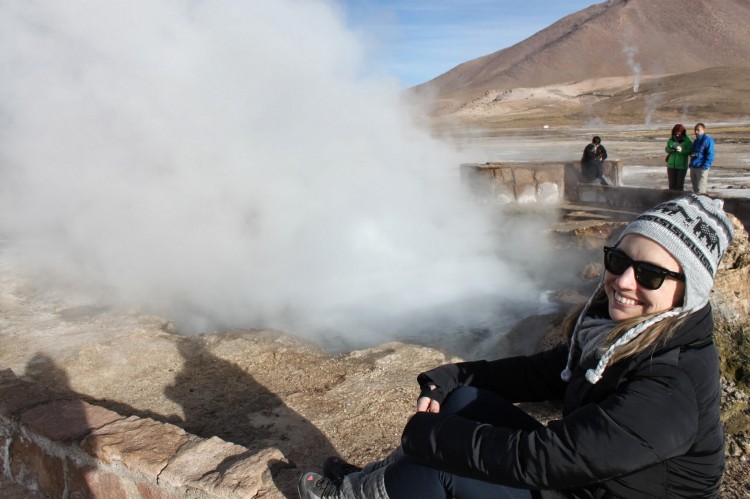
(591, 336)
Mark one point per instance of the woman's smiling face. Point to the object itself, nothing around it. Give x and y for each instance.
(628, 299)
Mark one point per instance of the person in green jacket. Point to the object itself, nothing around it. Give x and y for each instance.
(678, 150)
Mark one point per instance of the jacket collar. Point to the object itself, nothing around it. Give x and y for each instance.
(695, 332)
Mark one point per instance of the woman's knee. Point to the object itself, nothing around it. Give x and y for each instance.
(459, 399)
(488, 407)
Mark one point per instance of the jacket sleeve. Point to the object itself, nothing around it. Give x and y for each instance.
(517, 379)
(687, 146)
(646, 420)
(710, 153)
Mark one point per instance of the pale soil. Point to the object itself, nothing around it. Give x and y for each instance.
(570, 95)
(258, 389)
(712, 96)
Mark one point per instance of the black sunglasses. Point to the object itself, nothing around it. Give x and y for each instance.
(648, 275)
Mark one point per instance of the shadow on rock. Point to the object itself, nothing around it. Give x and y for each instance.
(71, 421)
(220, 399)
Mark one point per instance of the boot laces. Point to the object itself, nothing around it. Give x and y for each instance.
(327, 488)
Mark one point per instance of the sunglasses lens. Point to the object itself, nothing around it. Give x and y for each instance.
(648, 277)
(616, 262)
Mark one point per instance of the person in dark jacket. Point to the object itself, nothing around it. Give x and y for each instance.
(592, 162)
(678, 149)
(601, 152)
(639, 381)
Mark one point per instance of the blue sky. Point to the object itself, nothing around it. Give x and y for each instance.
(417, 40)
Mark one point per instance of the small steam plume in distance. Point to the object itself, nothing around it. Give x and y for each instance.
(237, 164)
(630, 52)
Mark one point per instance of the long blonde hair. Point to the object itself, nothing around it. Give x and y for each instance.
(657, 334)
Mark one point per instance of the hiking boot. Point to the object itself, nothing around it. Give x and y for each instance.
(336, 468)
(311, 485)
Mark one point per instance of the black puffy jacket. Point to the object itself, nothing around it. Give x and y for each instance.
(649, 428)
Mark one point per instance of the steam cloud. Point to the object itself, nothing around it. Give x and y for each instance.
(235, 164)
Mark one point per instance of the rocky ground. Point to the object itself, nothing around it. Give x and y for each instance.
(262, 388)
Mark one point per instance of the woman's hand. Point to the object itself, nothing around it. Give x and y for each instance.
(426, 404)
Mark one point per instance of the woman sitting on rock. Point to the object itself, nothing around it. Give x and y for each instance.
(639, 381)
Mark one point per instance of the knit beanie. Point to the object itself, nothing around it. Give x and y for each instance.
(695, 231)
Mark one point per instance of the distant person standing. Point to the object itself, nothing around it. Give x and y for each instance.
(678, 150)
(592, 162)
(701, 158)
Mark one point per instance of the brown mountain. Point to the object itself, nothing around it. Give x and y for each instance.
(619, 38)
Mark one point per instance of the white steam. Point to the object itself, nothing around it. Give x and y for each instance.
(233, 164)
(630, 52)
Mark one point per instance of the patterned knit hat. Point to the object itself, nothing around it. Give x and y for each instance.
(696, 232)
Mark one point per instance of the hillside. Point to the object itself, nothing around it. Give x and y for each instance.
(633, 40)
(714, 94)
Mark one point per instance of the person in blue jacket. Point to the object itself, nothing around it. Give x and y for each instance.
(701, 159)
(638, 379)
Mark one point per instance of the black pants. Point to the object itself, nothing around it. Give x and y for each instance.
(592, 170)
(676, 178)
(406, 479)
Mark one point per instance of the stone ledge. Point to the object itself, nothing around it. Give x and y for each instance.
(552, 183)
(525, 182)
(68, 448)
